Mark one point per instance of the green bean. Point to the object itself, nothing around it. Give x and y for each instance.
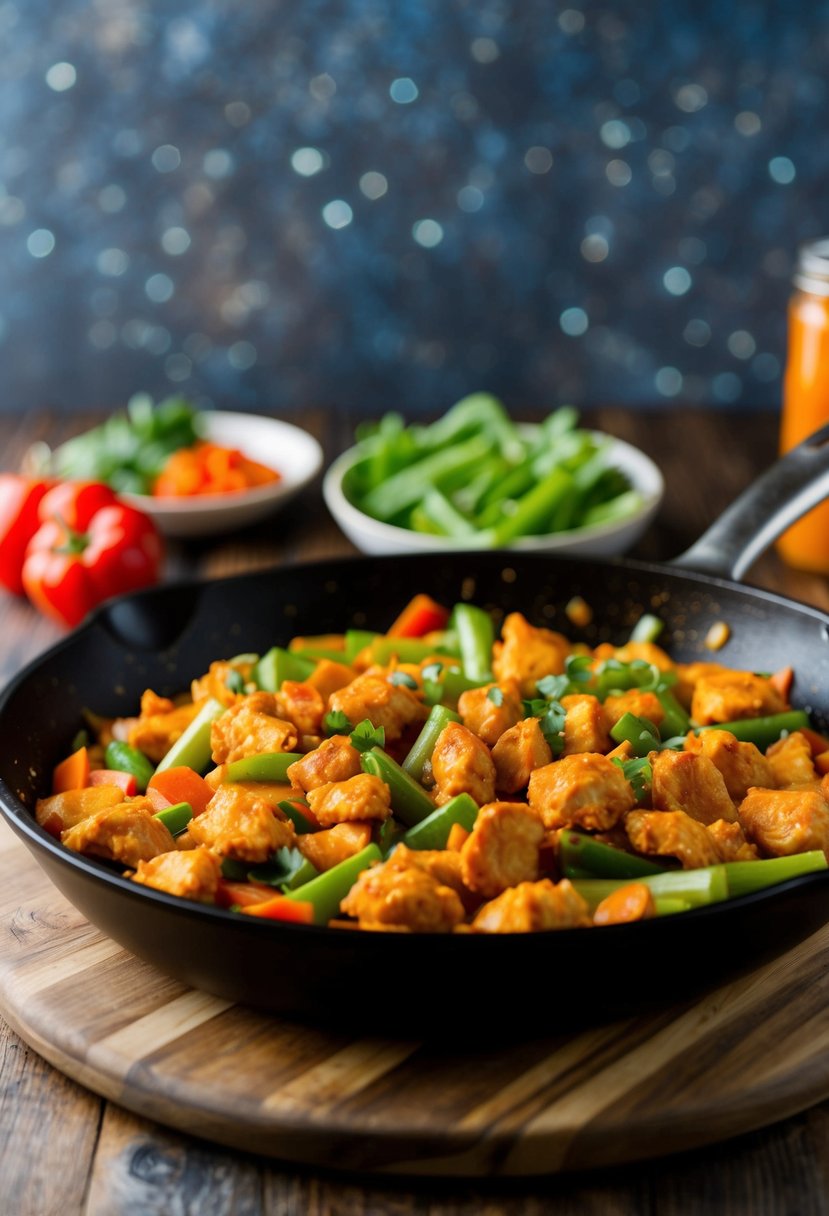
(424, 744)
(580, 852)
(175, 818)
(267, 766)
(763, 731)
(402, 490)
(640, 733)
(409, 801)
(475, 635)
(327, 892)
(433, 831)
(533, 512)
(126, 759)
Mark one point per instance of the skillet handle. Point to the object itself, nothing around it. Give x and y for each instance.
(791, 487)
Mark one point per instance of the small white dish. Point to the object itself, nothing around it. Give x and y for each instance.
(602, 540)
(292, 452)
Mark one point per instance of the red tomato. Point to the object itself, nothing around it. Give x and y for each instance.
(89, 547)
(19, 500)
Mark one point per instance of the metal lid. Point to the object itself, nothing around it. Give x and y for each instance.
(812, 272)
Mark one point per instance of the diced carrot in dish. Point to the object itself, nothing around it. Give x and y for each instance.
(782, 681)
(72, 773)
(241, 894)
(631, 902)
(182, 784)
(298, 912)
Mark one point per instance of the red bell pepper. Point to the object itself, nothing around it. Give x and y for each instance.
(421, 615)
(115, 776)
(19, 501)
(89, 547)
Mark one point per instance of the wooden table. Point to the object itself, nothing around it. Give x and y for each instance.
(64, 1150)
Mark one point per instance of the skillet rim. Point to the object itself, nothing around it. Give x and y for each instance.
(22, 821)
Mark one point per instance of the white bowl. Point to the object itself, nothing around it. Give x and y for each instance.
(602, 540)
(292, 452)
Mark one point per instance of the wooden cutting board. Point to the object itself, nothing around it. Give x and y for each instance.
(746, 1055)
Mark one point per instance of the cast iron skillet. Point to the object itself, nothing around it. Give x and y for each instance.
(390, 983)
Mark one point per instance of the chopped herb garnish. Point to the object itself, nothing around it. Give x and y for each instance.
(336, 723)
(402, 679)
(366, 735)
(495, 695)
(235, 681)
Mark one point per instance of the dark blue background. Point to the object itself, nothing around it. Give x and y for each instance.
(565, 202)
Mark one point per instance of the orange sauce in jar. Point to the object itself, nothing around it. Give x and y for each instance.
(806, 396)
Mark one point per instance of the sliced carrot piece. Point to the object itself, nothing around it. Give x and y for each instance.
(182, 784)
(298, 911)
(72, 773)
(631, 902)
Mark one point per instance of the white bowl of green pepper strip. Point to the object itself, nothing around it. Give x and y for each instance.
(475, 479)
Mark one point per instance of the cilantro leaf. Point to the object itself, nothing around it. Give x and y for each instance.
(336, 723)
(402, 678)
(495, 695)
(552, 726)
(553, 688)
(279, 871)
(638, 772)
(534, 708)
(432, 671)
(365, 736)
(579, 668)
(235, 681)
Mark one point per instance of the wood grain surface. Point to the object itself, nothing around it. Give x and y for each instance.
(63, 1150)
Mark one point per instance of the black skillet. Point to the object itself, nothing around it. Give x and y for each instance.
(419, 983)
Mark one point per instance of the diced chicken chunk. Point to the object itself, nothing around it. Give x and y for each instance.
(240, 826)
(585, 729)
(387, 896)
(586, 790)
(731, 841)
(127, 832)
(742, 764)
(491, 710)
(672, 834)
(503, 848)
(783, 822)
(688, 676)
(215, 682)
(533, 906)
(392, 706)
(62, 811)
(250, 727)
(329, 677)
(519, 751)
(684, 781)
(360, 797)
(648, 652)
(443, 866)
(726, 696)
(333, 760)
(301, 704)
(160, 724)
(527, 654)
(194, 874)
(791, 764)
(461, 764)
(634, 701)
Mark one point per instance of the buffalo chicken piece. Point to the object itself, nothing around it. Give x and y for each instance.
(443, 866)
(301, 704)
(503, 848)
(634, 701)
(392, 895)
(127, 832)
(725, 696)
(783, 822)
(215, 682)
(360, 797)
(527, 654)
(392, 706)
(586, 790)
(790, 761)
(160, 724)
(62, 811)
(518, 752)
(742, 765)
(333, 760)
(329, 677)
(250, 727)
(647, 652)
(461, 764)
(533, 906)
(194, 874)
(672, 834)
(731, 841)
(486, 717)
(585, 729)
(692, 783)
(241, 826)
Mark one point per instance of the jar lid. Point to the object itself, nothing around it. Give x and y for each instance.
(812, 273)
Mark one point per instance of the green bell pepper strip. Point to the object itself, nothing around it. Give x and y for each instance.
(175, 818)
(534, 513)
(580, 852)
(433, 831)
(511, 486)
(192, 748)
(476, 634)
(409, 801)
(747, 876)
(647, 628)
(327, 891)
(763, 731)
(424, 744)
(619, 507)
(267, 766)
(697, 887)
(126, 759)
(386, 835)
(293, 810)
(357, 640)
(676, 720)
(279, 665)
(640, 733)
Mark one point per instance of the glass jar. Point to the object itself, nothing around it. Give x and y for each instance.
(806, 395)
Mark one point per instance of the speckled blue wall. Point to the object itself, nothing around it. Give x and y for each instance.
(390, 202)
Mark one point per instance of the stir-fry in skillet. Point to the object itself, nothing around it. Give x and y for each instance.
(435, 779)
